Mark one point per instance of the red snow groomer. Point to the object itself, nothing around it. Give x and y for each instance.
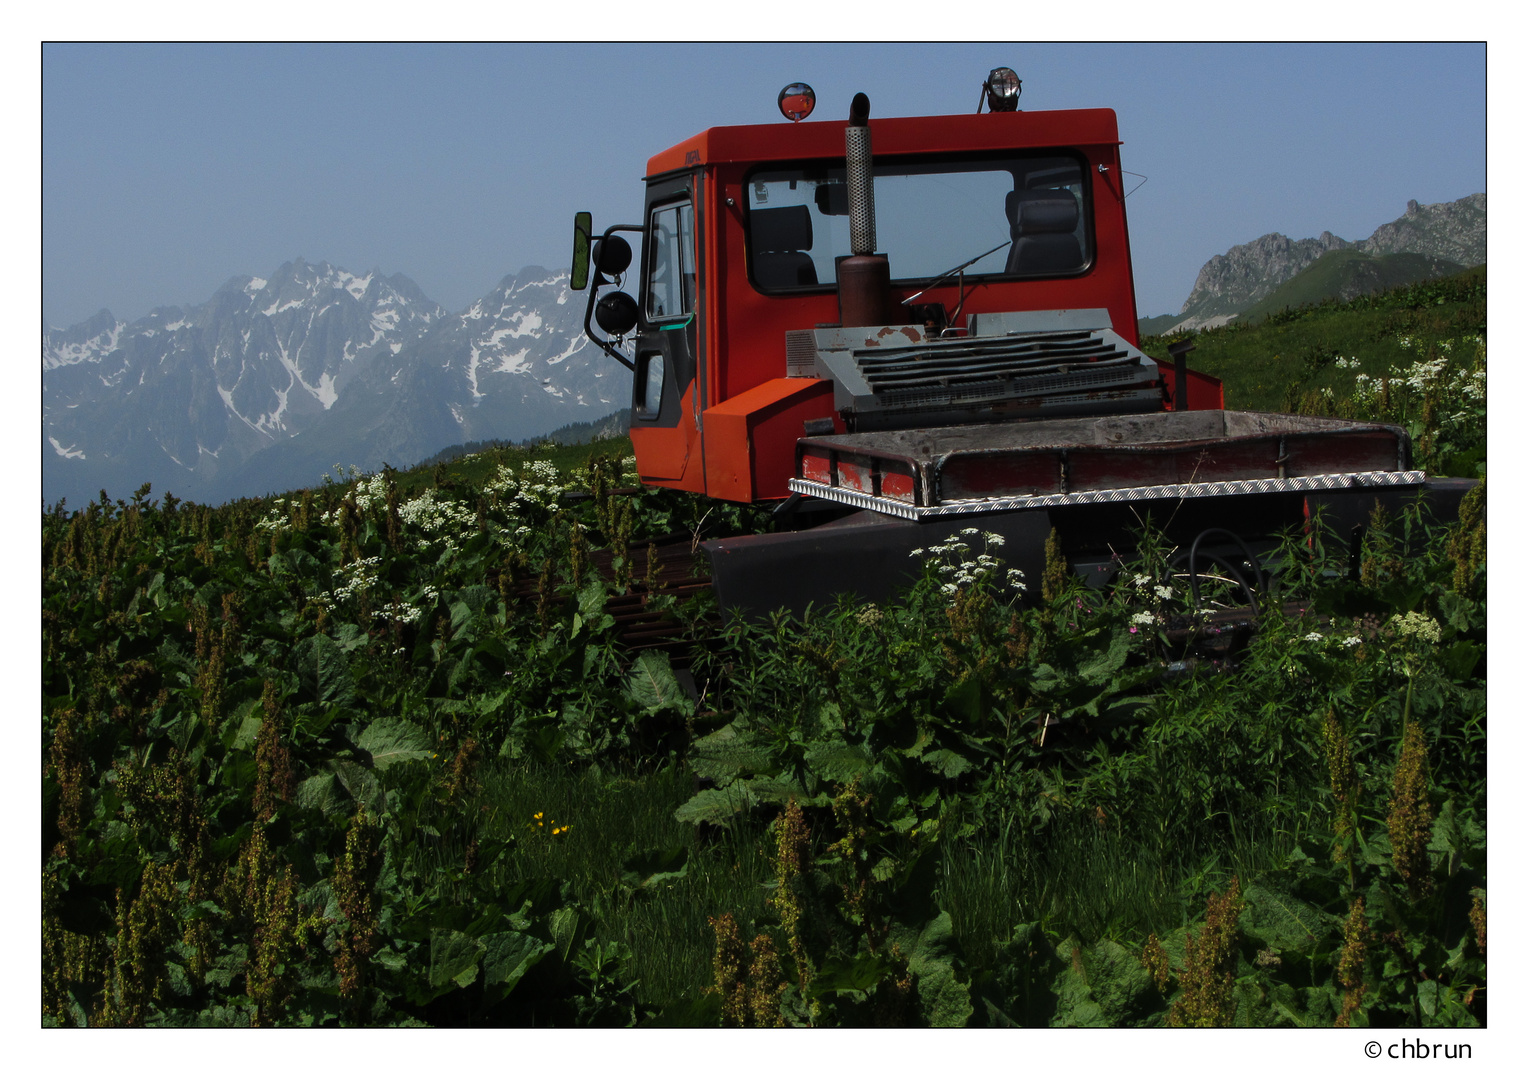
(905, 326)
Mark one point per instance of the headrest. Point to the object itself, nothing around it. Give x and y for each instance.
(781, 228)
(1041, 210)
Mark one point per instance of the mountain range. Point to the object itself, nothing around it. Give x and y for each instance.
(274, 381)
(1452, 235)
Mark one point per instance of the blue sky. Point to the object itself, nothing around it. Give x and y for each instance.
(168, 169)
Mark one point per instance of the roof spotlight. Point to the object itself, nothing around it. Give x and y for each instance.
(1002, 90)
(797, 101)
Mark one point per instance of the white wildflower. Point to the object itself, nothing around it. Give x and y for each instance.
(1417, 625)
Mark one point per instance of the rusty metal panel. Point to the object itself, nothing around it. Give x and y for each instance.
(1100, 459)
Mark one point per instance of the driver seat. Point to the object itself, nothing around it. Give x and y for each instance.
(1043, 223)
(782, 236)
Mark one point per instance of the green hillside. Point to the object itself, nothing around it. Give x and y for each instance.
(1157, 324)
(1413, 355)
(1346, 275)
(1337, 275)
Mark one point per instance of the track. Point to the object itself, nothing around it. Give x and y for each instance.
(640, 623)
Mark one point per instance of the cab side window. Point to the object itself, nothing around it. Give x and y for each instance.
(671, 261)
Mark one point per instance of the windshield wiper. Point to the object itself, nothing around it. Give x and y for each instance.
(955, 270)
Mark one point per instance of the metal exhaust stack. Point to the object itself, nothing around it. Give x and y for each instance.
(864, 278)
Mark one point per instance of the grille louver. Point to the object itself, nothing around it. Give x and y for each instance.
(1053, 363)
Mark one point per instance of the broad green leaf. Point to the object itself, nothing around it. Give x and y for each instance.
(837, 761)
(323, 671)
(359, 781)
(1283, 922)
(392, 739)
(349, 637)
(1459, 658)
(319, 792)
(779, 790)
(727, 754)
(944, 998)
(1101, 986)
(509, 955)
(965, 699)
(591, 601)
(653, 685)
(946, 763)
(1020, 979)
(1106, 663)
(565, 924)
(1308, 1006)
(860, 972)
(247, 732)
(716, 805)
(453, 958)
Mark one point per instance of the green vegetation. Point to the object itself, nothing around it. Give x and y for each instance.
(1157, 325)
(1414, 356)
(601, 431)
(374, 753)
(1348, 274)
(359, 757)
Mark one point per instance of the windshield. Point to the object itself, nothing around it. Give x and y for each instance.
(930, 217)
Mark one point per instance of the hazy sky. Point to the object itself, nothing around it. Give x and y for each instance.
(168, 169)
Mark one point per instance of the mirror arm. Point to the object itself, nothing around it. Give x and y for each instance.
(604, 343)
(595, 282)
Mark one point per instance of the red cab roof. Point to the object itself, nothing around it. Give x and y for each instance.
(892, 135)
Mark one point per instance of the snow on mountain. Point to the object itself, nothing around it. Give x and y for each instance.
(203, 388)
(275, 379)
(514, 365)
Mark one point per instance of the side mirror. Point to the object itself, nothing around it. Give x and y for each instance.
(612, 255)
(583, 225)
(616, 313)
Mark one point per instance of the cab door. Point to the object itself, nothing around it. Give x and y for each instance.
(668, 382)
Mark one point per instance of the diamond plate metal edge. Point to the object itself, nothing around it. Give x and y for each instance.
(1324, 482)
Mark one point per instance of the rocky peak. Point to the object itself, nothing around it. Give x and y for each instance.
(1248, 273)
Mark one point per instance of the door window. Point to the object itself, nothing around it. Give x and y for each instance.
(650, 387)
(671, 261)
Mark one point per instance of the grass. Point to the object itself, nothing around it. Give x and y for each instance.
(1096, 877)
(614, 818)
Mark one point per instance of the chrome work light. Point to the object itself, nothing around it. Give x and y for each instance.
(1002, 90)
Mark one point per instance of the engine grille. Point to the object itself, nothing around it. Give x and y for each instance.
(1053, 363)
